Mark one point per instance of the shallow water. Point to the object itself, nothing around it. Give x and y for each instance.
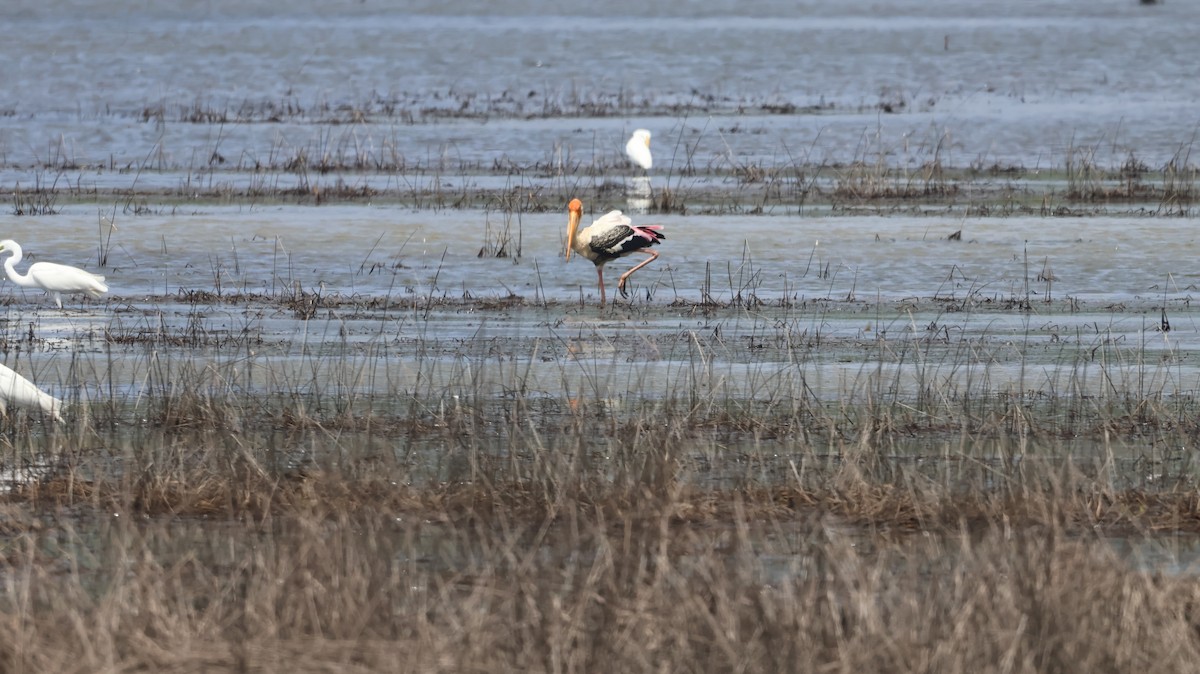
(858, 300)
(109, 84)
(388, 252)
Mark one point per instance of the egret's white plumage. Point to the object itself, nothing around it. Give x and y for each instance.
(611, 236)
(638, 149)
(55, 279)
(19, 391)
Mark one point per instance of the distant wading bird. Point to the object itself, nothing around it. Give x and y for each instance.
(610, 237)
(638, 149)
(55, 279)
(19, 391)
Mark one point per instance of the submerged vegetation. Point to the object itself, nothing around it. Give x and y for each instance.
(256, 152)
(357, 174)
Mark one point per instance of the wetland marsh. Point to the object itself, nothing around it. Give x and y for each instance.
(912, 387)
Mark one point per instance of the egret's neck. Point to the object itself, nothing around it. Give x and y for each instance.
(13, 275)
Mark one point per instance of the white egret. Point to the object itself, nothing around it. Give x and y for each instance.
(608, 238)
(55, 279)
(19, 391)
(638, 149)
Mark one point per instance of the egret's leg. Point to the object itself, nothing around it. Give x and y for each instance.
(625, 277)
(58, 299)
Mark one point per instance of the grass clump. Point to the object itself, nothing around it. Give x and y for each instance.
(584, 555)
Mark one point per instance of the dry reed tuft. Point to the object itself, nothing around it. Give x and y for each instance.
(353, 155)
(557, 572)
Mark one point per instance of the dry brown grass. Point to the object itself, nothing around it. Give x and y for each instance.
(211, 528)
(640, 574)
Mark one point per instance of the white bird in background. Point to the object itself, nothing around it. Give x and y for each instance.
(55, 279)
(19, 391)
(610, 237)
(638, 149)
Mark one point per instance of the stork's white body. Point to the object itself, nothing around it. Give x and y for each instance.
(611, 236)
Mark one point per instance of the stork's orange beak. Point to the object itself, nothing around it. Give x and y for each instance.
(576, 209)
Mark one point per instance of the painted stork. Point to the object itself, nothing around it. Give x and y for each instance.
(612, 236)
(638, 149)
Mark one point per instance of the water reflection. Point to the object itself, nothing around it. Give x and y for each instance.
(638, 195)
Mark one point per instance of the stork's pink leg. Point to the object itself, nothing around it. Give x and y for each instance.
(624, 277)
(600, 276)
